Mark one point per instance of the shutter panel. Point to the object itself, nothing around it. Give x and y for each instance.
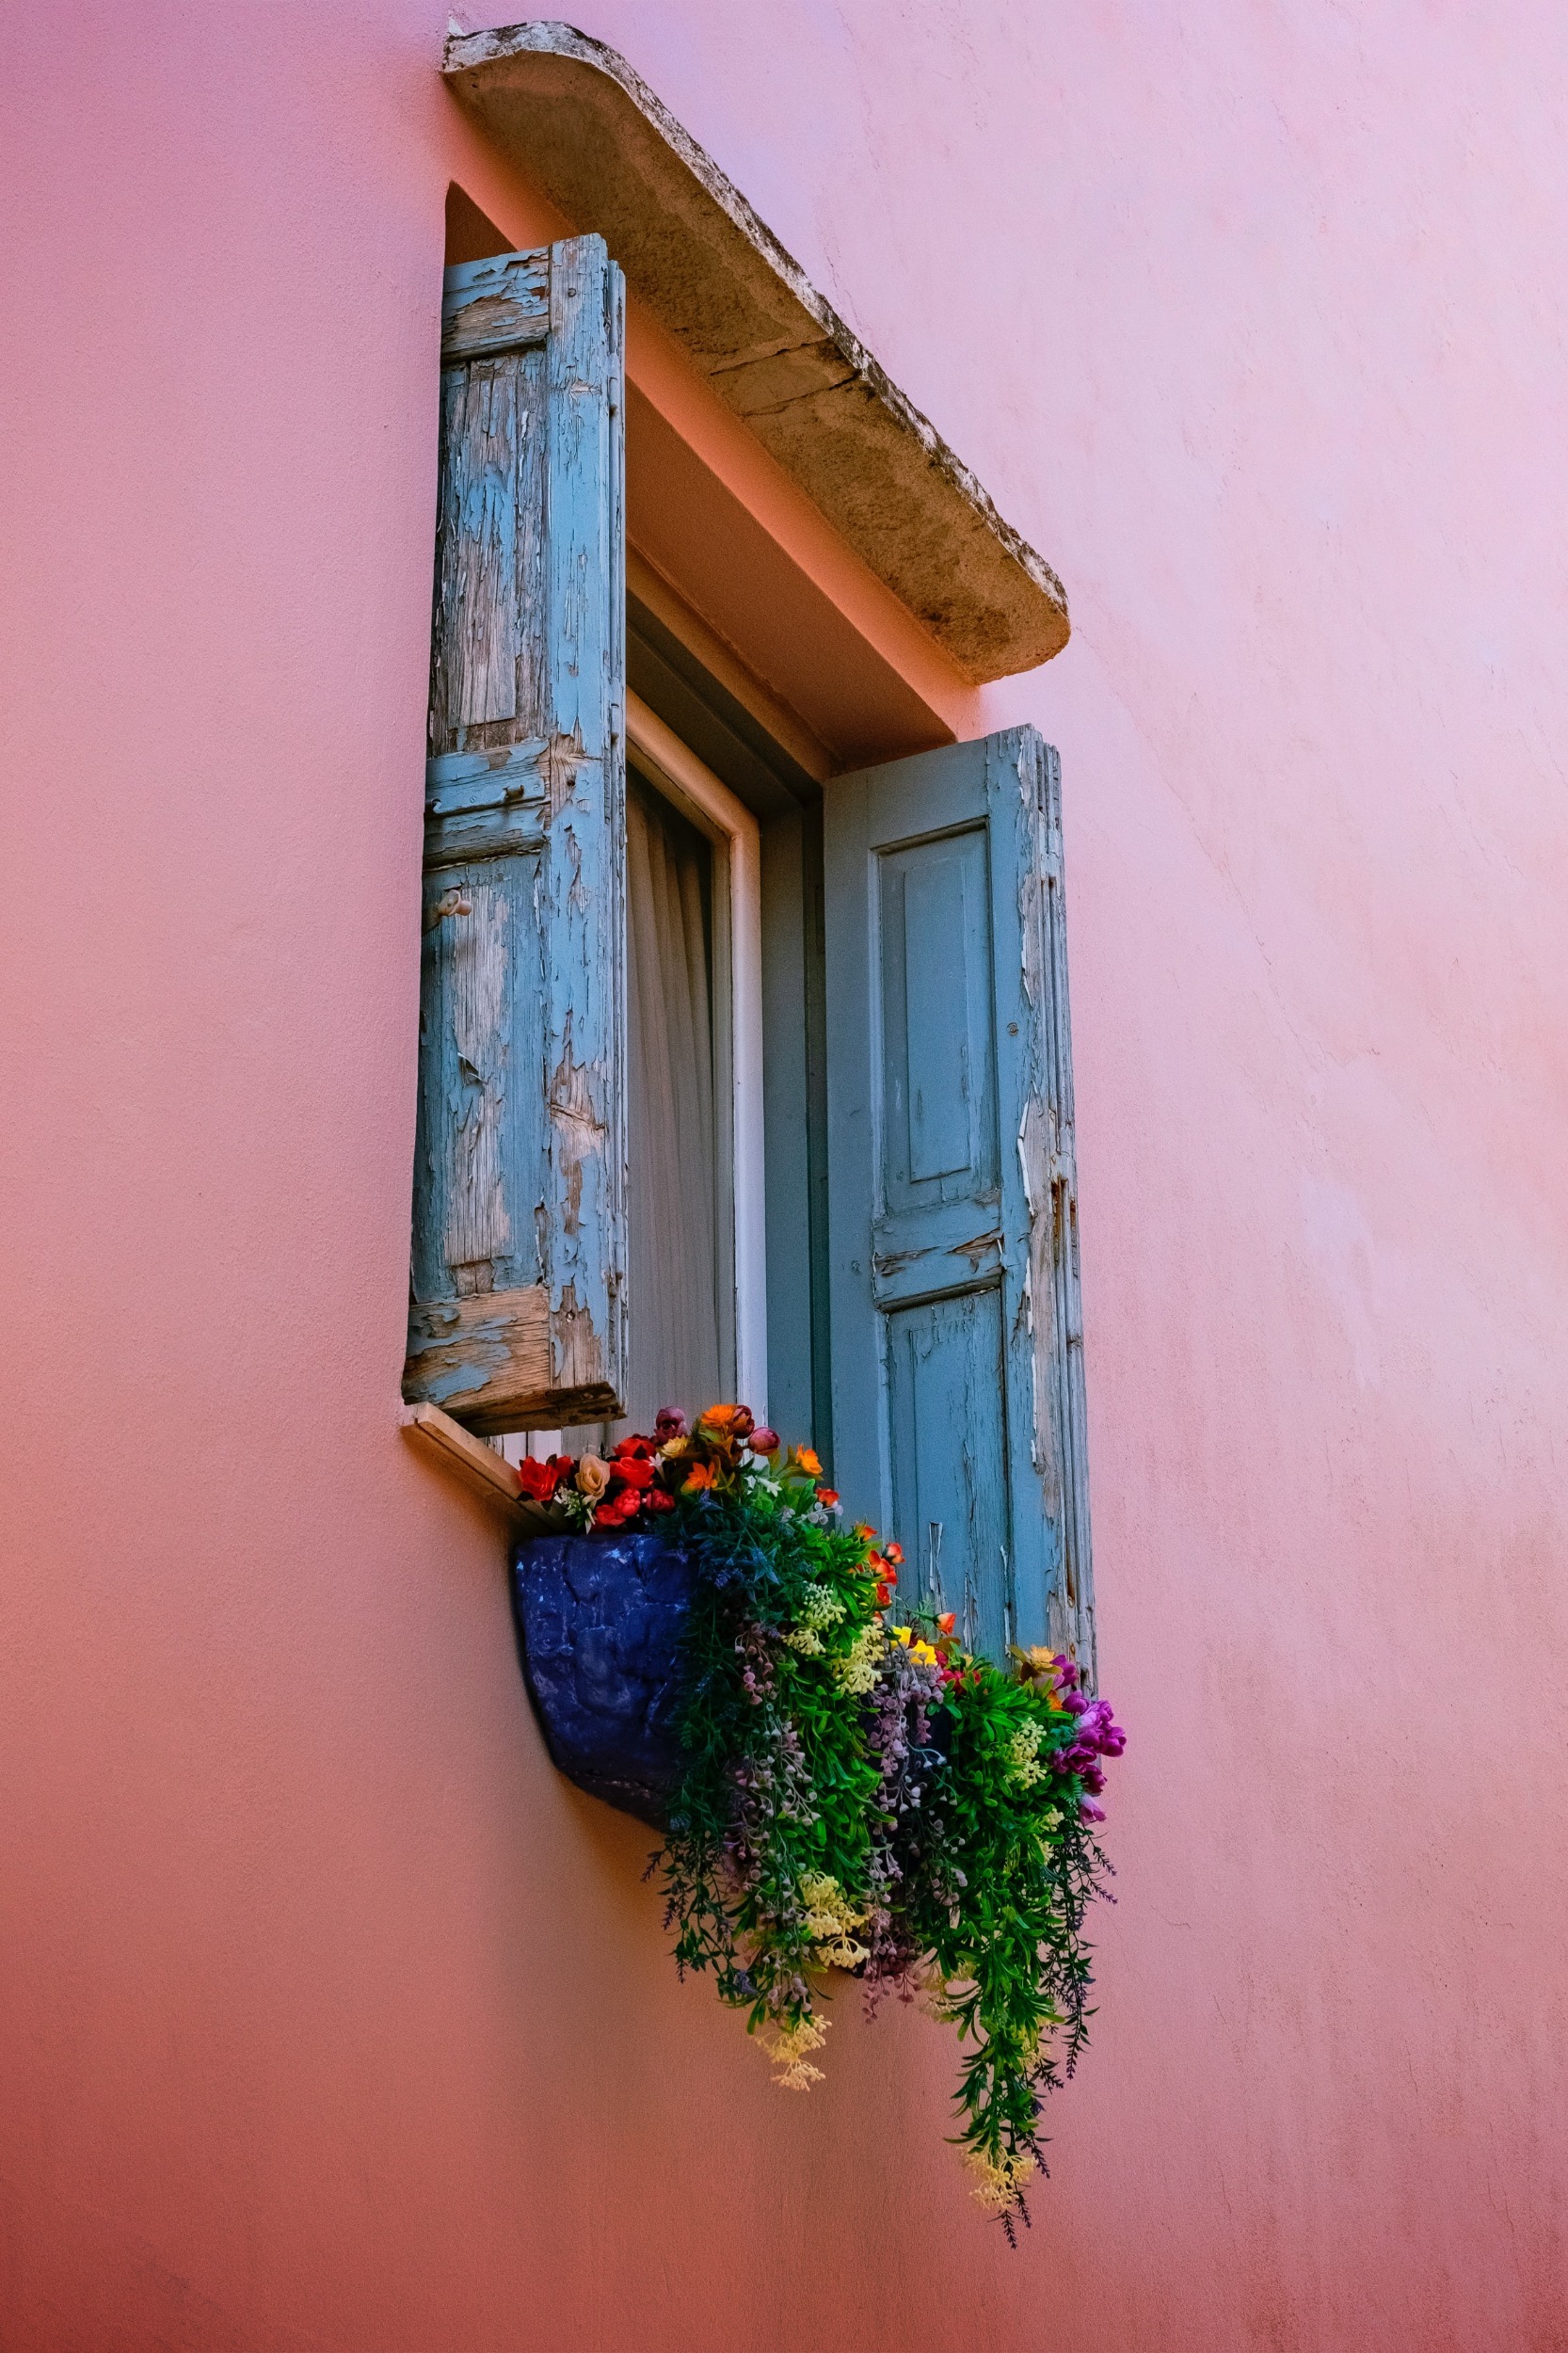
(518, 1312)
(958, 1406)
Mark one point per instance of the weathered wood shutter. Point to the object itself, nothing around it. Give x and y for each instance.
(518, 1312)
(958, 1404)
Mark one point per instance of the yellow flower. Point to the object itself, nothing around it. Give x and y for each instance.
(1023, 1755)
(902, 1634)
(785, 2048)
(857, 1669)
(1001, 2179)
(830, 1917)
(922, 1654)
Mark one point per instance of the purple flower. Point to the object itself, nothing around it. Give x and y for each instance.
(1098, 1726)
(1088, 1813)
(669, 1422)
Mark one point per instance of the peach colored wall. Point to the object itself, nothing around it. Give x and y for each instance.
(329, 2018)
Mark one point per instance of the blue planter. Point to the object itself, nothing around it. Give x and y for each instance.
(600, 1621)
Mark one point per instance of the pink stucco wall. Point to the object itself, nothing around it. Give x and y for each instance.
(329, 2018)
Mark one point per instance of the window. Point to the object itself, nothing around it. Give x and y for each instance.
(729, 1082)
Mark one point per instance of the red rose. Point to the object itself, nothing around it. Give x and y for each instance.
(657, 1500)
(617, 1509)
(632, 1473)
(541, 1480)
(633, 1450)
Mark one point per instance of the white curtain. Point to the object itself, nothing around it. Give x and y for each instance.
(677, 1349)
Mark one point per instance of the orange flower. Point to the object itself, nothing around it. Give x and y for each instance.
(893, 1553)
(808, 1462)
(945, 1625)
(725, 1422)
(828, 1496)
(699, 1476)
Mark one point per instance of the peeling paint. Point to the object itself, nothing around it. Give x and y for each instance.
(577, 1356)
(519, 1193)
(562, 757)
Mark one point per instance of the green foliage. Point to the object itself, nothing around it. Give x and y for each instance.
(1007, 1952)
(869, 1799)
(770, 1835)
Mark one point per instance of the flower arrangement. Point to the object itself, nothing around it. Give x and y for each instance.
(859, 1795)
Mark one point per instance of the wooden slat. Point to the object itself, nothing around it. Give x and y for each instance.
(495, 305)
(479, 1469)
(1048, 1156)
(581, 882)
(487, 1359)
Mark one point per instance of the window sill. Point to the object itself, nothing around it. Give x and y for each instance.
(463, 1457)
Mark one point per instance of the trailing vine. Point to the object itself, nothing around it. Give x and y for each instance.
(861, 1796)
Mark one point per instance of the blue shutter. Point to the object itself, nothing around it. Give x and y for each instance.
(518, 1312)
(958, 1406)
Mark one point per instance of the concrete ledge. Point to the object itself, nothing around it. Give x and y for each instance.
(575, 118)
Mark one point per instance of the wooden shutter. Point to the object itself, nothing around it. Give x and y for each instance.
(518, 1313)
(953, 1212)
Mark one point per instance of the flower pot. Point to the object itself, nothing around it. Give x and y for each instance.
(600, 1621)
